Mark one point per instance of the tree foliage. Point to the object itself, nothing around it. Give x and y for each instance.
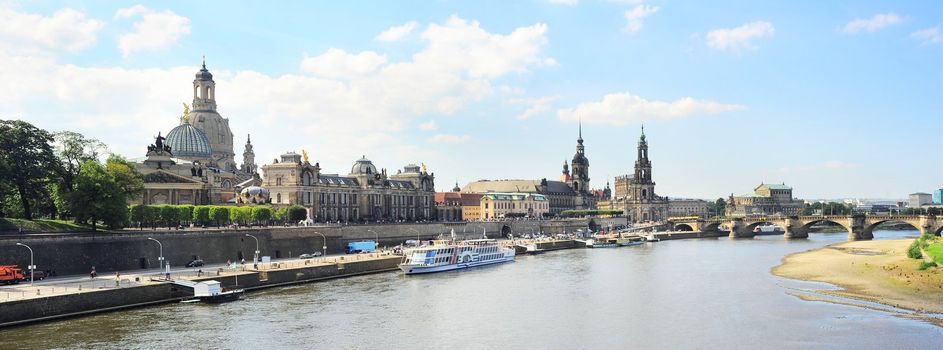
(27, 162)
(297, 213)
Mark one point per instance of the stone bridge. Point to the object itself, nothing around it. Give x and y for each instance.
(859, 227)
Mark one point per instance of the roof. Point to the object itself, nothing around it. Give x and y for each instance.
(399, 184)
(775, 186)
(516, 186)
(186, 140)
(442, 197)
(920, 194)
(337, 180)
(471, 199)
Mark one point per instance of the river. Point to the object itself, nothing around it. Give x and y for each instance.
(683, 294)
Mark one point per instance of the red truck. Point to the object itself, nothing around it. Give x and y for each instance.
(11, 274)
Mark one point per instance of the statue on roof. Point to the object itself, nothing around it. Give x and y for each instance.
(423, 168)
(305, 155)
(186, 112)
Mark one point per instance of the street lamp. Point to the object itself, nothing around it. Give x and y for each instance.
(161, 257)
(378, 236)
(31, 266)
(324, 247)
(417, 234)
(255, 258)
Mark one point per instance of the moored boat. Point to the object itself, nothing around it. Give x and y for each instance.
(451, 255)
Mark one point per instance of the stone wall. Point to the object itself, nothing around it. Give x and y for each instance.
(126, 250)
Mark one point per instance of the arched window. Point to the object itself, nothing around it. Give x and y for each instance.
(209, 92)
(644, 194)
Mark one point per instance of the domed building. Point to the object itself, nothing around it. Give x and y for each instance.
(195, 163)
(188, 142)
(253, 195)
(364, 194)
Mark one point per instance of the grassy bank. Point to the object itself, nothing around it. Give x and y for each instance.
(877, 271)
(39, 225)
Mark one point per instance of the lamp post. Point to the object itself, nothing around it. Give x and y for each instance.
(31, 266)
(417, 234)
(161, 257)
(324, 247)
(377, 244)
(255, 258)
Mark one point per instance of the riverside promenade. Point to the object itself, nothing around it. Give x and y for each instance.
(80, 295)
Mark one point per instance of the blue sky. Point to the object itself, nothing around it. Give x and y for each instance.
(837, 99)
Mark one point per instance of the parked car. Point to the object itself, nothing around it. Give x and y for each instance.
(309, 255)
(196, 263)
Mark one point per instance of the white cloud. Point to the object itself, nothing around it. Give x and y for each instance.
(565, 2)
(536, 106)
(126, 107)
(450, 139)
(154, 31)
(66, 30)
(623, 108)
(837, 164)
(635, 17)
(739, 38)
(930, 35)
(398, 32)
(429, 125)
(337, 63)
(872, 24)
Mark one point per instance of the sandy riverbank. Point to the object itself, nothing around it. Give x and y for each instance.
(877, 271)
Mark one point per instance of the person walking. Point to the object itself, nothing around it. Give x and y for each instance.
(93, 273)
(117, 279)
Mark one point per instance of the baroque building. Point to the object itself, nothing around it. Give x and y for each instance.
(195, 163)
(766, 199)
(365, 194)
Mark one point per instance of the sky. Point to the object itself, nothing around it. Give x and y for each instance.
(838, 99)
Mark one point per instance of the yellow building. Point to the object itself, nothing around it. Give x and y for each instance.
(503, 205)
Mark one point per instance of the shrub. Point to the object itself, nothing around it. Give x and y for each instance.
(184, 212)
(168, 214)
(219, 214)
(138, 214)
(261, 214)
(151, 214)
(926, 265)
(913, 251)
(201, 214)
(297, 213)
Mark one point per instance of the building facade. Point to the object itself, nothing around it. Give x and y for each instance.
(560, 195)
(917, 200)
(364, 195)
(685, 207)
(507, 205)
(938, 196)
(766, 199)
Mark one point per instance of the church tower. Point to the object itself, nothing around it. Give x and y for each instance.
(641, 202)
(580, 166)
(643, 167)
(248, 157)
(205, 117)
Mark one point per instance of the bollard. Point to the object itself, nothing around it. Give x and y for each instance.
(37, 291)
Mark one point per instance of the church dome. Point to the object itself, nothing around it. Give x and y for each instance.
(363, 166)
(185, 140)
(204, 74)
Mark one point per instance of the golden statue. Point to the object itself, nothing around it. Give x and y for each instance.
(423, 168)
(186, 112)
(305, 154)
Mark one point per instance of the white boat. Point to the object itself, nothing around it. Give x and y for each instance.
(451, 255)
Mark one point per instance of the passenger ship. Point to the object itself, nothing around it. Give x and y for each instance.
(450, 255)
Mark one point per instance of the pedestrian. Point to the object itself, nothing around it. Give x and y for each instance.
(93, 273)
(199, 273)
(243, 261)
(117, 279)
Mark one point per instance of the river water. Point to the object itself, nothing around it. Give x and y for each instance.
(683, 294)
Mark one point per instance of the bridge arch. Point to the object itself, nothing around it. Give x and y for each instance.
(937, 231)
(808, 225)
(682, 227)
(714, 226)
(779, 229)
(870, 228)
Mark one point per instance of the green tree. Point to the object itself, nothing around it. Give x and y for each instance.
(219, 214)
(138, 214)
(27, 161)
(297, 213)
(279, 214)
(201, 214)
(72, 149)
(168, 214)
(261, 214)
(126, 175)
(151, 215)
(185, 213)
(97, 197)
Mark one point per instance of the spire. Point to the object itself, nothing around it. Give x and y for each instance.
(204, 61)
(643, 132)
(249, 138)
(581, 130)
